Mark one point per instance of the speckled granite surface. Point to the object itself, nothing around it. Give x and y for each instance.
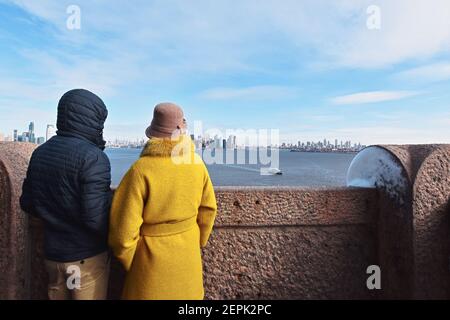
(14, 254)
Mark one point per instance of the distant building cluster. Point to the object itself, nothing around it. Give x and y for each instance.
(29, 136)
(324, 146)
(215, 143)
(200, 142)
(117, 143)
(233, 142)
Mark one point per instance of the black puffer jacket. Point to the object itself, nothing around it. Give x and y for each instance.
(68, 181)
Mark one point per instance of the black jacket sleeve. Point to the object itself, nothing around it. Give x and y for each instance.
(96, 194)
(26, 198)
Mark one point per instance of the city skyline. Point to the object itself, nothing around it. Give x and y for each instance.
(46, 133)
(311, 69)
(218, 140)
(221, 142)
(28, 136)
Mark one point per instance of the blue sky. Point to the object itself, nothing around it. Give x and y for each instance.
(311, 69)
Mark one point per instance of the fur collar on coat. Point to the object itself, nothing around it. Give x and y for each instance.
(164, 147)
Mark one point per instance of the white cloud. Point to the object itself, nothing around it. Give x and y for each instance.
(249, 93)
(373, 97)
(429, 73)
(224, 34)
(26, 89)
(411, 30)
(44, 9)
(61, 71)
(173, 41)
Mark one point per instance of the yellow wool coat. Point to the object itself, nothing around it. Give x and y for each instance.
(162, 214)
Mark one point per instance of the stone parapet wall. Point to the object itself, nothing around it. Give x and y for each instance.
(288, 243)
(292, 243)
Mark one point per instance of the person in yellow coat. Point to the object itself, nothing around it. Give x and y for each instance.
(162, 213)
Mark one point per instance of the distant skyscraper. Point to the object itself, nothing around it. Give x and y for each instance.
(25, 137)
(231, 142)
(31, 137)
(50, 132)
(40, 140)
(15, 135)
(217, 142)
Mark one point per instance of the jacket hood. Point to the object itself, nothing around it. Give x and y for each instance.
(166, 147)
(82, 114)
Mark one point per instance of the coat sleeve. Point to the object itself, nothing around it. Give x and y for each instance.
(126, 216)
(207, 210)
(26, 198)
(96, 194)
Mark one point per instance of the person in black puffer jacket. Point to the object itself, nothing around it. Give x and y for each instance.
(68, 187)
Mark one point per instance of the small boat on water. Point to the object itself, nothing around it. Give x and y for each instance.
(274, 171)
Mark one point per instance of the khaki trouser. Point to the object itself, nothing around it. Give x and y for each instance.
(79, 280)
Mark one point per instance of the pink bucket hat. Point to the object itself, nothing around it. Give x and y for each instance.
(168, 119)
